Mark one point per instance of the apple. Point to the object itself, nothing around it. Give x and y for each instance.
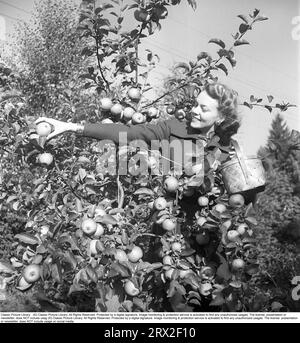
(236, 200)
(31, 273)
(128, 113)
(169, 224)
(99, 230)
(130, 288)
(180, 114)
(205, 289)
(116, 109)
(89, 226)
(160, 12)
(242, 228)
(141, 15)
(176, 246)
(152, 112)
(203, 201)
(45, 158)
(207, 272)
(232, 235)
(138, 118)
(202, 238)
(201, 221)
(171, 109)
(106, 104)
(43, 129)
(160, 203)
(120, 255)
(135, 255)
(134, 94)
(107, 121)
(237, 264)
(171, 184)
(167, 260)
(220, 208)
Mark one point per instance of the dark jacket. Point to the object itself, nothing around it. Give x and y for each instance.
(178, 134)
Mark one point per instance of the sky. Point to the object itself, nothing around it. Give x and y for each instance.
(269, 65)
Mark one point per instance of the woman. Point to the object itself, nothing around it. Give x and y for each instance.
(214, 114)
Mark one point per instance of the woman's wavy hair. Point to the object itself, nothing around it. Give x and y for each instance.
(228, 108)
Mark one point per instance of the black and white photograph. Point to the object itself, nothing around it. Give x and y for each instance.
(149, 159)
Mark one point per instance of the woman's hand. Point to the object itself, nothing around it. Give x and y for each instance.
(58, 127)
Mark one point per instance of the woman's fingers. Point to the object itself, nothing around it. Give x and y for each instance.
(52, 135)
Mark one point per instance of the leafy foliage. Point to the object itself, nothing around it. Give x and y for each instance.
(195, 266)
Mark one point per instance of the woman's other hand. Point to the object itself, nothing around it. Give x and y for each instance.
(57, 127)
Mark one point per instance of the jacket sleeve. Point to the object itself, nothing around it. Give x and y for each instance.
(145, 132)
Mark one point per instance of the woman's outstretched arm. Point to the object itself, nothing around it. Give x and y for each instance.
(145, 132)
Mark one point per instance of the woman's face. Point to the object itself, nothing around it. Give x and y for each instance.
(206, 113)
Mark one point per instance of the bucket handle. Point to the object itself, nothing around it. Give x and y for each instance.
(241, 159)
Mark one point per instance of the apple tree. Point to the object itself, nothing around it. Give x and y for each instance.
(127, 242)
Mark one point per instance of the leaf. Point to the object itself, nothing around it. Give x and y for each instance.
(139, 303)
(245, 103)
(252, 269)
(82, 174)
(26, 238)
(106, 219)
(187, 252)
(255, 12)
(218, 42)
(75, 287)
(270, 98)
(67, 238)
(235, 284)
(193, 4)
(251, 220)
(6, 267)
(70, 258)
(218, 300)
(113, 304)
(182, 65)
(276, 306)
(244, 28)
(223, 271)
(269, 108)
(243, 17)
(91, 273)
(11, 198)
(145, 191)
(56, 272)
(261, 18)
(222, 67)
(241, 42)
(118, 269)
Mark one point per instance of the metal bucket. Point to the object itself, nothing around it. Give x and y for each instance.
(243, 173)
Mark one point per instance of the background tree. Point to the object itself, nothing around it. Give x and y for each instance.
(48, 53)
